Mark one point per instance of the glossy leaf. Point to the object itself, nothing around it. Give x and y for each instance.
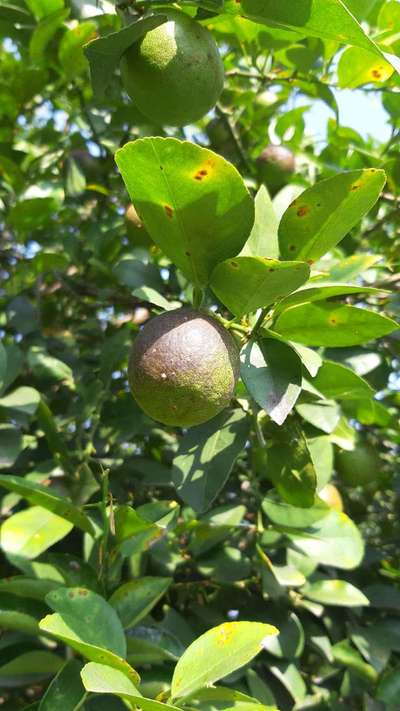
(11, 445)
(291, 469)
(29, 668)
(263, 239)
(66, 691)
(310, 18)
(186, 195)
(335, 592)
(283, 514)
(245, 284)
(134, 600)
(46, 498)
(337, 382)
(23, 399)
(389, 689)
(83, 610)
(29, 533)
(102, 679)
(326, 324)
(217, 653)
(21, 615)
(322, 215)
(271, 371)
(333, 540)
(358, 66)
(205, 458)
(321, 291)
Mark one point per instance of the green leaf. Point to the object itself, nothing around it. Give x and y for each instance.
(46, 498)
(101, 679)
(326, 19)
(283, 514)
(320, 291)
(263, 240)
(217, 653)
(70, 51)
(205, 457)
(327, 324)
(358, 66)
(29, 533)
(11, 445)
(26, 587)
(333, 540)
(19, 614)
(66, 691)
(104, 53)
(289, 643)
(134, 600)
(23, 399)
(50, 368)
(44, 32)
(29, 668)
(43, 8)
(389, 689)
(289, 675)
(321, 450)
(291, 469)
(335, 592)
(90, 615)
(186, 195)
(337, 382)
(345, 654)
(88, 624)
(322, 215)
(3, 365)
(271, 371)
(245, 284)
(324, 415)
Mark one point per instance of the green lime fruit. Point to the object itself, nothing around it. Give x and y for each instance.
(332, 497)
(174, 73)
(183, 368)
(275, 166)
(359, 466)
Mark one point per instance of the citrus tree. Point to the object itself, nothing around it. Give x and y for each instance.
(199, 388)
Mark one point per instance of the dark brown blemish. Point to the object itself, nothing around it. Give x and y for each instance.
(161, 167)
(271, 270)
(310, 262)
(292, 248)
(201, 174)
(356, 186)
(235, 265)
(333, 321)
(168, 211)
(188, 254)
(83, 593)
(376, 74)
(302, 211)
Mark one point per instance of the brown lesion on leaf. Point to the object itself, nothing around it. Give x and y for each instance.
(310, 262)
(292, 248)
(235, 265)
(202, 173)
(188, 254)
(168, 211)
(376, 73)
(333, 321)
(303, 211)
(355, 187)
(271, 269)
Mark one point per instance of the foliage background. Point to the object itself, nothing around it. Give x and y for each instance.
(77, 282)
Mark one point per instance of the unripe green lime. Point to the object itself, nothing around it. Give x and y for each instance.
(359, 466)
(174, 73)
(183, 368)
(275, 166)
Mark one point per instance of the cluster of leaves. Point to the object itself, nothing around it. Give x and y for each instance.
(143, 564)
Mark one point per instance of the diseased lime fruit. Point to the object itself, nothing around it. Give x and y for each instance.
(332, 497)
(359, 466)
(174, 74)
(183, 368)
(275, 166)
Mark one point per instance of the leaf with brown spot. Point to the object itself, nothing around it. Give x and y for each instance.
(328, 211)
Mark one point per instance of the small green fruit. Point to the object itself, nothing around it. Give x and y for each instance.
(174, 73)
(359, 466)
(183, 368)
(275, 166)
